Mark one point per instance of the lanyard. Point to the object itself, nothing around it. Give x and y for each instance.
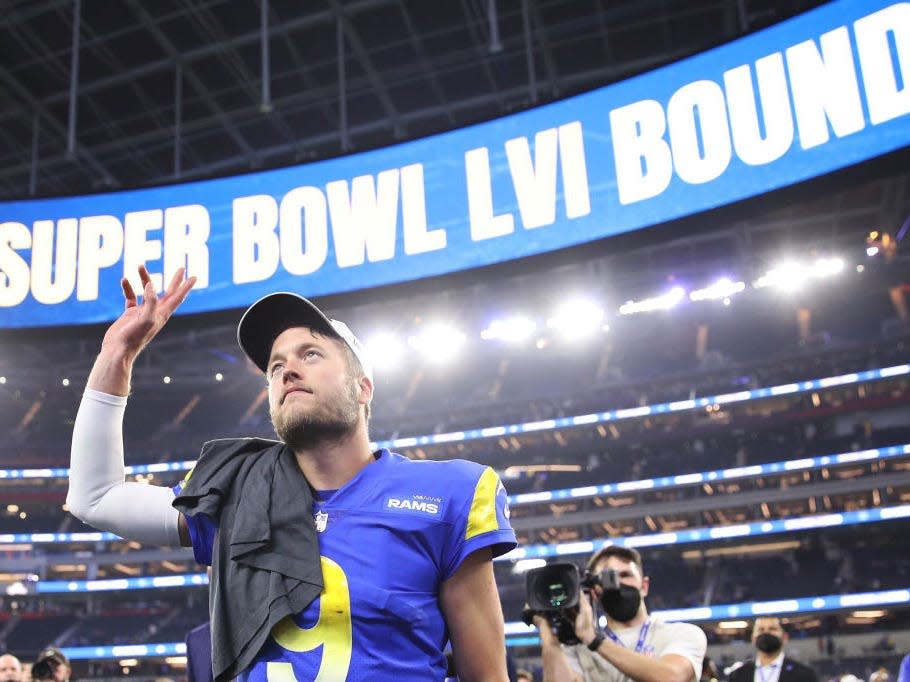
(642, 634)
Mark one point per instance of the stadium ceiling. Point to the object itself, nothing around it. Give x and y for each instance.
(178, 90)
(175, 90)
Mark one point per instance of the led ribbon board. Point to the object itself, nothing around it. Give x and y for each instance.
(825, 90)
(796, 605)
(697, 535)
(820, 603)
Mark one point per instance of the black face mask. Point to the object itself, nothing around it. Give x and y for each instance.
(768, 643)
(621, 604)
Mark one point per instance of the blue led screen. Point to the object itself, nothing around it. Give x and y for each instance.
(825, 90)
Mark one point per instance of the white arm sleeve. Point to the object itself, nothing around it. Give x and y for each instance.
(98, 493)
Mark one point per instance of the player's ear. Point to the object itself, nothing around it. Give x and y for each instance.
(366, 390)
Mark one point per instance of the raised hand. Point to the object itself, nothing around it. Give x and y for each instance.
(141, 322)
(132, 331)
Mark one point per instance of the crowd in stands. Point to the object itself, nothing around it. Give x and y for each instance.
(643, 362)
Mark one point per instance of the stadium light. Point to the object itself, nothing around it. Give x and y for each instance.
(438, 343)
(787, 276)
(577, 318)
(16, 589)
(513, 329)
(791, 276)
(386, 346)
(825, 267)
(525, 565)
(721, 290)
(647, 305)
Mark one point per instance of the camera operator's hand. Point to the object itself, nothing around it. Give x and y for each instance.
(585, 628)
(547, 636)
(555, 665)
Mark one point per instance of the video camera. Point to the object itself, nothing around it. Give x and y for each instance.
(45, 667)
(554, 591)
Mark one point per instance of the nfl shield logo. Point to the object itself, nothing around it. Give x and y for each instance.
(322, 520)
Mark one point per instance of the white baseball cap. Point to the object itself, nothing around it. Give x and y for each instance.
(270, 315)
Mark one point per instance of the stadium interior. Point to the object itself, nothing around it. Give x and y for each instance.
(728, 392)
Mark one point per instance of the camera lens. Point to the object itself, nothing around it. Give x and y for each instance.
(44, 669)
(557, 594)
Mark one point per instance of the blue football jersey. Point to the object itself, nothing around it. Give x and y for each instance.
(387, 541)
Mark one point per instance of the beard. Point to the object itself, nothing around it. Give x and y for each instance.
(330, 421)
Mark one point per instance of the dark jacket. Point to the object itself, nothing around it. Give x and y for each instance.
(265, 563)
(792, 671)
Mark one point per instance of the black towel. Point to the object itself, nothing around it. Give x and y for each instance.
(265, 562)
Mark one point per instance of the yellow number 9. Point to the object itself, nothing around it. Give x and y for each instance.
(333, 631)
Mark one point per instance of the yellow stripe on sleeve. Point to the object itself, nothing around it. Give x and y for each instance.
(186, 479)
(482, 517)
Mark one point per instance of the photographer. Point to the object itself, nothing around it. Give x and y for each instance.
(51, 666)
(633, 646)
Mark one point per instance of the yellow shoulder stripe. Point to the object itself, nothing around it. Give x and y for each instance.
(482, 517)
(186, 479)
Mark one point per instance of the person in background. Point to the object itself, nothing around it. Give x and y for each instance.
(880, 675)
(903, 673)
(52, 665)
(771, 664)
(199, 654)
(708, 671)
(10, 668)
(634, 646)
